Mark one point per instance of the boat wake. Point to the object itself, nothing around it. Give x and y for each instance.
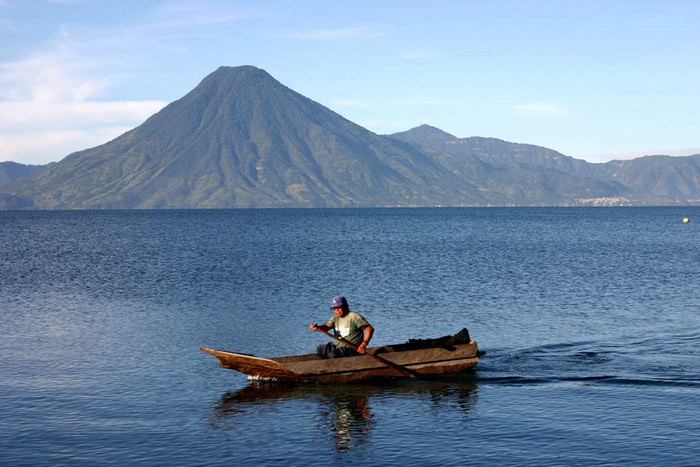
(668, 360)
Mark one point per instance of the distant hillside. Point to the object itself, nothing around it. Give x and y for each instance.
(494, 151)
(241, 139)
(12, 171)
(646, 180)
(525, 174)
(657, 179)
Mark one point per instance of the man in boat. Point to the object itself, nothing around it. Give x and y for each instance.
(351, 326)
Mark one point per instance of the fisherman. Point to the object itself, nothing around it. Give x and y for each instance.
(351, 326)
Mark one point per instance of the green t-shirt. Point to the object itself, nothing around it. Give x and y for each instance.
(350, 328)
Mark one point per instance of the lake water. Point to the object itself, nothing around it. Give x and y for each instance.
(590, 318)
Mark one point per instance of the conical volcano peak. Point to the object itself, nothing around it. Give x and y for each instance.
(239, 76)
(235, 87)
(239, 72)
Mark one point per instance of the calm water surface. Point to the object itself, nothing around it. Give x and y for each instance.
(590, 318)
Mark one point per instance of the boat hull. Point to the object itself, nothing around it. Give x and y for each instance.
(309, 368)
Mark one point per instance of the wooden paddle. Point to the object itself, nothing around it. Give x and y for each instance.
(396, 367)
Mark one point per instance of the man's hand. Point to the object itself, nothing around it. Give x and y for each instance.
(313, 326)
(361, 348)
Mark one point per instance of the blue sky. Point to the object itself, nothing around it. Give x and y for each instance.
(595, 80)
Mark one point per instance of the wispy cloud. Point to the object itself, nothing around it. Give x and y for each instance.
(539, 109)
(417, 54)
(193, 14)
(336, 34)
(350, 103)
(390, 103)
(70, 2)
(417, 101)
(171, 28)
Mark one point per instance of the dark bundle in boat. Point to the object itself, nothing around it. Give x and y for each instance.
(461, 338)
(417, 357)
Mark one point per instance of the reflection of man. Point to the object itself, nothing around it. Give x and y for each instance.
(351, 422)
(352, 327)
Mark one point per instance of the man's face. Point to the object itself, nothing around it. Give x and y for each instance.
(339, 311)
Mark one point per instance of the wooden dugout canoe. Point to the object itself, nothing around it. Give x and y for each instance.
(433, 361)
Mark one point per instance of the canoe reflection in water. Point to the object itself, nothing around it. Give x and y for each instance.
(345, 415)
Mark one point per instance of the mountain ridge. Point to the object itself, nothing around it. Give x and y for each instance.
(636, 180)
(241, 139)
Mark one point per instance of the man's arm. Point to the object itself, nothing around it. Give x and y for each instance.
(368, 331)
(323, 327)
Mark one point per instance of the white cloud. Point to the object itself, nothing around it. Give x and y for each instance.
(38, 133)
(46, 78)
(50, 107)
(44, 146)
(26, 115)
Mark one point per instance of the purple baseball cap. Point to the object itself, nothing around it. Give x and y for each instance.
(338, 302)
